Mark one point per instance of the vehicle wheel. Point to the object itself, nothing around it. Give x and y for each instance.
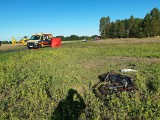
(40, 46)
(101, 90)
(36, 47)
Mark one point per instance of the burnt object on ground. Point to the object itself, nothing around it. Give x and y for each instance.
(112, 82)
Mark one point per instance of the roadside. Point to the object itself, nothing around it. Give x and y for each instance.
(7, 48)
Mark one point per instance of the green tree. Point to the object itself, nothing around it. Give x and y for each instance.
(147, 25)
(74, 37)
(155, 22)
(126, 25)
(102, 27)
(107, 33)
(114, 30)
(140, 30)
(137, 28)
(131, 26)
(121, 29)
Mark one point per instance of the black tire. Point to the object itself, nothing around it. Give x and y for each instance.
(40, 46)
(36, 46)
(101, 90)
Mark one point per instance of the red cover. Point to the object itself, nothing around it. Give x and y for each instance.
(55, 42)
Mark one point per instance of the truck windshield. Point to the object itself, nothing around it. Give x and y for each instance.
(35, 37)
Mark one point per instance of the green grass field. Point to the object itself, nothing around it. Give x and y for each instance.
(39, 84)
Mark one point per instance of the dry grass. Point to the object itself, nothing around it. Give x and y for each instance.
(6, 47)
(129, 40)
(121, 62)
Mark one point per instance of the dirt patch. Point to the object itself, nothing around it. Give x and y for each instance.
(120, 62)
(8, 48)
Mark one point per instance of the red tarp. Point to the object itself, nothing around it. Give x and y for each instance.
(55, 42)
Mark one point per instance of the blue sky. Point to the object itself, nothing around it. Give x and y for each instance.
(65, 17)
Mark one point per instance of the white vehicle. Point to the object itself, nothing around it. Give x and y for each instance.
(39, 40)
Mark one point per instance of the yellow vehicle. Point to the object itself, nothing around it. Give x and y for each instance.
(22, 41)
(14, 40)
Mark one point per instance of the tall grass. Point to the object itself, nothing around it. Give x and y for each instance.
(34, 82)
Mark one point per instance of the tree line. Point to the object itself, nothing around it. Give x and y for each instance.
(5, 42)
(63, 38)
(149, 26)
(76, 37)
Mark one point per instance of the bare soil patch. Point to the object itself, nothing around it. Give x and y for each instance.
(119, 62)
(129, 40)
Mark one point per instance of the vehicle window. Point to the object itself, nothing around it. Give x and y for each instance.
(50, 36)
(35, 37)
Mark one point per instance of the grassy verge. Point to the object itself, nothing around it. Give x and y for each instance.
(49, 83)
